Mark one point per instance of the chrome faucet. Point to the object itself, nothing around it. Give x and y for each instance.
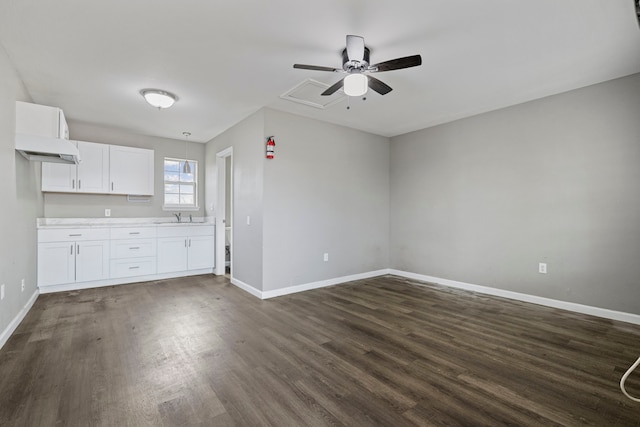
(178, 216)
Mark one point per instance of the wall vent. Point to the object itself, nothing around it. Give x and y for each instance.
(309, 93)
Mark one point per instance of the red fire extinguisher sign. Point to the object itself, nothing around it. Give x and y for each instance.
(271, 145)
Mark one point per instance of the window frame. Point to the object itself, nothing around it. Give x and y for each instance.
(179, 207)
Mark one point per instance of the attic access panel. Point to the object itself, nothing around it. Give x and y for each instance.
(309, 93)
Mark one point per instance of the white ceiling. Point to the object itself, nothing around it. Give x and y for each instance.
(227, 59)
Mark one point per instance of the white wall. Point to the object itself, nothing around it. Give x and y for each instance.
(485, 199)
(248, 155)
(326, 191)
(21, 203)
(62, 205)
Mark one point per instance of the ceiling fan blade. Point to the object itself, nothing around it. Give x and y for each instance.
(378, 86)
(315, 67)
(397, 64)
(355, 48)
(333, 89)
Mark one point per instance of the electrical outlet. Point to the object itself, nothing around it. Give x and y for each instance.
(22, 285)
(542, 268)
(2, 291)
(326, 257)
(107, 212)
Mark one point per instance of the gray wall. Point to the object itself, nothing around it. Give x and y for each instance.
(21, 202)
(485, 199)
(62, 205)
(326, 191)
(248, 155)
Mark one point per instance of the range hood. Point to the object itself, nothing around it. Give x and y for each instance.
(47, 149)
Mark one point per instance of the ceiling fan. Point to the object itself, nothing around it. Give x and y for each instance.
(355, 63)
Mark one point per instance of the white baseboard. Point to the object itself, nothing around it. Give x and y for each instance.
(120, 281)
(570, 306)
(322, 283)
(19, 317)
(247, 288)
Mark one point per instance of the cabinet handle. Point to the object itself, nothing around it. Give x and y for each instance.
(79, 184)
(75, 235)
(134, 247)
(134, 232)
(78, 250)
(71, 249)
(112, 186)
(189, 242)
(185, 243)
(133, 268)
(73, 184)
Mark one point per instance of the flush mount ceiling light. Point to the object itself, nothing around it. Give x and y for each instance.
(355, 84)
(159, 98)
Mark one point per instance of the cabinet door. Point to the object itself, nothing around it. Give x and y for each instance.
(201, 250)
(172, 254)
(131, 170)
(92, 260)
(93, 169)
(58, 177)
(56, 263)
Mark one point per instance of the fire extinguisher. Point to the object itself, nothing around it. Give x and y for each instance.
(271, 145)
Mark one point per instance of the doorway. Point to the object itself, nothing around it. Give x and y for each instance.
(224, 213)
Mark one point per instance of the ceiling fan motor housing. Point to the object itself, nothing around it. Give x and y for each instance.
(351, 65)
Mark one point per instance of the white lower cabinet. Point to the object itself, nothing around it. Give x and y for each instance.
(200, 254)
(132, 267)
(69, 256)
(133, 251)
(172, 254)
(112, 255)
(185, 247)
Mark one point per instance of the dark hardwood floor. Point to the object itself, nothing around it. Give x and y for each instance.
(384, 351)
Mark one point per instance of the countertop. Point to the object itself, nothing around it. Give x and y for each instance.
(54, 223)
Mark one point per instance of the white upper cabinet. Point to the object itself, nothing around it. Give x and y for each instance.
(93, 169)
(41, 120)
(58, 177)
(104, 169)
(91, 175)
(131, 170)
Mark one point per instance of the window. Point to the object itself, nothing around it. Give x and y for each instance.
(180, 189)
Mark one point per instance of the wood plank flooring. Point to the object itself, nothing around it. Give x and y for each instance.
(379, 352)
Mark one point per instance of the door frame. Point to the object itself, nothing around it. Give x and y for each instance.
(221, 165)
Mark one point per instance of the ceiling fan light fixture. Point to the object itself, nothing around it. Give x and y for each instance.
(355, 84)
(158, 98)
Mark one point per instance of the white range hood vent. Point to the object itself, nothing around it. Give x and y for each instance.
(46, 149)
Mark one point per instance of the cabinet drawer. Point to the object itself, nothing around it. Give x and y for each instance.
(133, 248)
(72, 234)
(133, 232)
(132, 267)
(186, 230)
